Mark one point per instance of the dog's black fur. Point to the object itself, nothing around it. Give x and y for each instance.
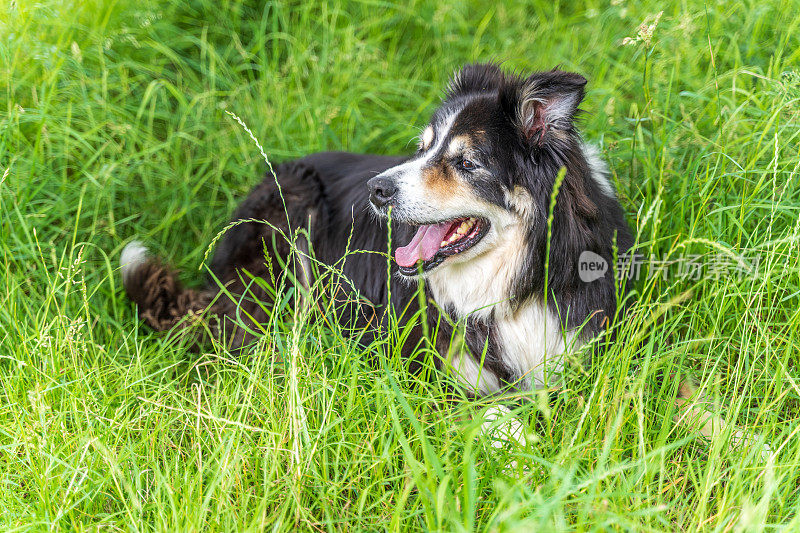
(520, 129)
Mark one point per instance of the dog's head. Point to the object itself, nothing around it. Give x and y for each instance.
(486, 166)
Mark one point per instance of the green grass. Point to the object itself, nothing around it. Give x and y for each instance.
(114, 125)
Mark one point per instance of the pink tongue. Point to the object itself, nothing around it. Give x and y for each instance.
(423, 246)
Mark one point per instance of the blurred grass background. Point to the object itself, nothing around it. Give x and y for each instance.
(115, 126)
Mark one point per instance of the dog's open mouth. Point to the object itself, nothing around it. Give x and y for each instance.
(433, 243)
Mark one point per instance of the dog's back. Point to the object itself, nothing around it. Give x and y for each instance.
(313, 211)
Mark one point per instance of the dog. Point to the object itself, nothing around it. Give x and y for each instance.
(490, 218)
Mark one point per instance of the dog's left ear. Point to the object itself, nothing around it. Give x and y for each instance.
(544, 102)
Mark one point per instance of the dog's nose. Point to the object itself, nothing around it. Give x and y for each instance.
(381, 190)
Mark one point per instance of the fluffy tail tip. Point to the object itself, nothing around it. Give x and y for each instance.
(133, 256)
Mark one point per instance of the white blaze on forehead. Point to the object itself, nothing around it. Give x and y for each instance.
(442, 129)
(427, 138)
(413, 200)
(410, 171)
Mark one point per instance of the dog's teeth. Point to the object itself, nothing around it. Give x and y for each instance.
(461, 231)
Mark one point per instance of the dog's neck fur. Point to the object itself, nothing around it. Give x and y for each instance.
(527, 334)
(481, 287)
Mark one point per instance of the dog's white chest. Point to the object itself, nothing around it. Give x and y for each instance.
(530, 340)
(532, 344)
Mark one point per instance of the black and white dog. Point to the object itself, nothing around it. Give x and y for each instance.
(469, 214)
(470, 217)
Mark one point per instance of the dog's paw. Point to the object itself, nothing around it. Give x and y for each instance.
(744, 441)
(504, 431)
(502, 427)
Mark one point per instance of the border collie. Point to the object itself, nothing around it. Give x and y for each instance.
(469, 216)
(504, 290)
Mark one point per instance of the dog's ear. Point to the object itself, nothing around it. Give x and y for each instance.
(475, 78)
(544, 102)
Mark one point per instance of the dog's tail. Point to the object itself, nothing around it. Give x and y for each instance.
(162, 301)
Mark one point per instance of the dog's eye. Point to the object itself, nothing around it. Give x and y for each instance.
(466, 164)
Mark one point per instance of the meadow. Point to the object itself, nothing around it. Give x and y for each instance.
(116, 124)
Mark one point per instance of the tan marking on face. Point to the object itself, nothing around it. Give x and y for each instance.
(427, 138)
(458, 145)
(440, 180)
